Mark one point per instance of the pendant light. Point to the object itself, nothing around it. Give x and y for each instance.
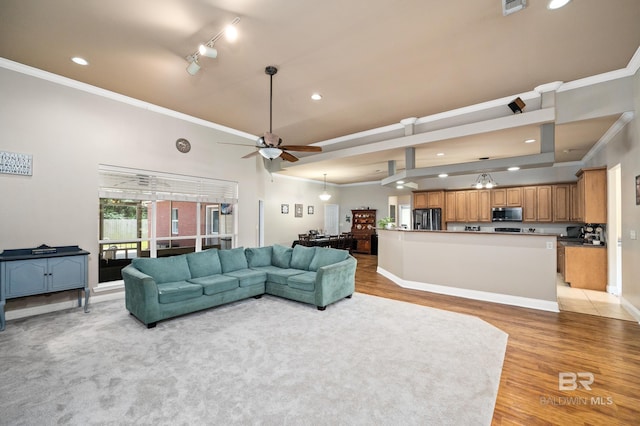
(325, 196)
(484, 181)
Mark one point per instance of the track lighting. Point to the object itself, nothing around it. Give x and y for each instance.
(207, 49)
(193, 66)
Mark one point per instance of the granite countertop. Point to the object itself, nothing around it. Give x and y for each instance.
(576, 244)
(446, 231)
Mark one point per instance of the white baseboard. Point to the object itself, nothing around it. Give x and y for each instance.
(633, 311)
(505, 299)
(60, 306)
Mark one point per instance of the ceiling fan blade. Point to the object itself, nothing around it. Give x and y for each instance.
(251, 154)
(288, 157)
(236, 144)
(301, 148)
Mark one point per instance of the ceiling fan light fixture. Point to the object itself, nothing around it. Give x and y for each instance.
(557, 4)
(270, 153)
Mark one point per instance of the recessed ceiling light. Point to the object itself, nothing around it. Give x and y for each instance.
(513, 169)
(557, 4)
(443, 175)
(80, 61)
(529, 141)
(400, 182)
(440, 154)
(399, 186)
(316, 96)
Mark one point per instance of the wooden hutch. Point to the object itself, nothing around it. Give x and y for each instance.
(363, 228)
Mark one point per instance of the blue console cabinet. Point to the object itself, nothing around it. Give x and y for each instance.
(26, 272)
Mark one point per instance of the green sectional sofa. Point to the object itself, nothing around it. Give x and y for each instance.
(161, 288)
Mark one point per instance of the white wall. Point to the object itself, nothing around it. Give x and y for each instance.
(70, 132)
(624, 149)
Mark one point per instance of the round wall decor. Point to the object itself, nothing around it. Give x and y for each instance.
(183, 145)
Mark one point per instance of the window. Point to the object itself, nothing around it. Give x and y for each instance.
(148, 214)
(174, 221)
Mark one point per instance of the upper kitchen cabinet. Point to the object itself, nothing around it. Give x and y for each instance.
(592, 195)
(468, 206)
(428, 200)
(537, 204)
(562, 202)
(506, 197)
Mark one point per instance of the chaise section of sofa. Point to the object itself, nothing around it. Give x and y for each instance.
(315, 275)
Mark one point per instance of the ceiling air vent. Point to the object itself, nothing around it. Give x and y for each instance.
(511, 6)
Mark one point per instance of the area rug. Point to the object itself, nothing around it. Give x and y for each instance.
(363, 361)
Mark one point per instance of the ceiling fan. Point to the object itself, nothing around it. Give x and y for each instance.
(270, 145)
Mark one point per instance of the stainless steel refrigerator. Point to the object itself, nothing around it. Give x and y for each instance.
(430, 219)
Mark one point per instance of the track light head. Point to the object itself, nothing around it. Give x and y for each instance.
(208, 51)
(193, 66)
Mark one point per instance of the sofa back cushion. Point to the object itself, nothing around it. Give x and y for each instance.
(258, 256)
(164, 269)
(281, 256)
(327, 256)
(233, 260)
(204, 263)
(301, 257)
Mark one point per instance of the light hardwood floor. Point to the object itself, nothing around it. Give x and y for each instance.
(541, 346)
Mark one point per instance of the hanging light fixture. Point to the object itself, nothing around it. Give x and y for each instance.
(325, 196)
(207, 49)
(484, 181)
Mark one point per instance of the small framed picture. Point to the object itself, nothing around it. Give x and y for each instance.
(638, 190)
(309, 209)
(284, 208)
(298, 210)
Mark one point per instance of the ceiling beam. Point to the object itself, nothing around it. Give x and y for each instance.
(541, 116)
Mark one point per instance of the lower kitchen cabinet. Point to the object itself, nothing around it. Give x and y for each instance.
(585, 267)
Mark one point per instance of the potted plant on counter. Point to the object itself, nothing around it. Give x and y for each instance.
(386, 223)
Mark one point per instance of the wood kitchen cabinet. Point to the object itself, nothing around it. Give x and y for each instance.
(428, 200)
(506, 197)
(468, 206)
(574, 210)
(562, 203)
(461, 206)
(537, 203)
(484, 205)
(450, 206)
(585, 267)
(592, 195)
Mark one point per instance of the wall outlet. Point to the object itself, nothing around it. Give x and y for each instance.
(549, 244)
(633, 235)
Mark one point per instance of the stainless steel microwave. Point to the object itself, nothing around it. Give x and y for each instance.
(506, 214)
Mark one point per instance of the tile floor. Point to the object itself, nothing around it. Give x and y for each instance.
(590, 302)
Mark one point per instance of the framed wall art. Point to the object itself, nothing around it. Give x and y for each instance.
(298, 210)
(638, 190)
(284, 208)
(310, 210)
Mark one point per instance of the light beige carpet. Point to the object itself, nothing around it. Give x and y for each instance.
(363, 361)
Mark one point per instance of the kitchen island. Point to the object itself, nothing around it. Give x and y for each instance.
(511, 268)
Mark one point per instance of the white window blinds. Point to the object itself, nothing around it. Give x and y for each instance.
(132, 184)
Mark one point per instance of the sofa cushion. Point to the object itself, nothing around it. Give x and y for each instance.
(301, 257)
(248, 277)
(327, 256)
(204, 263)
(279, 275)
(281, 256)
(178, 291)
(233, 260)
(258, 256)
(164, 269)
(214, 284)
(305, 281)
